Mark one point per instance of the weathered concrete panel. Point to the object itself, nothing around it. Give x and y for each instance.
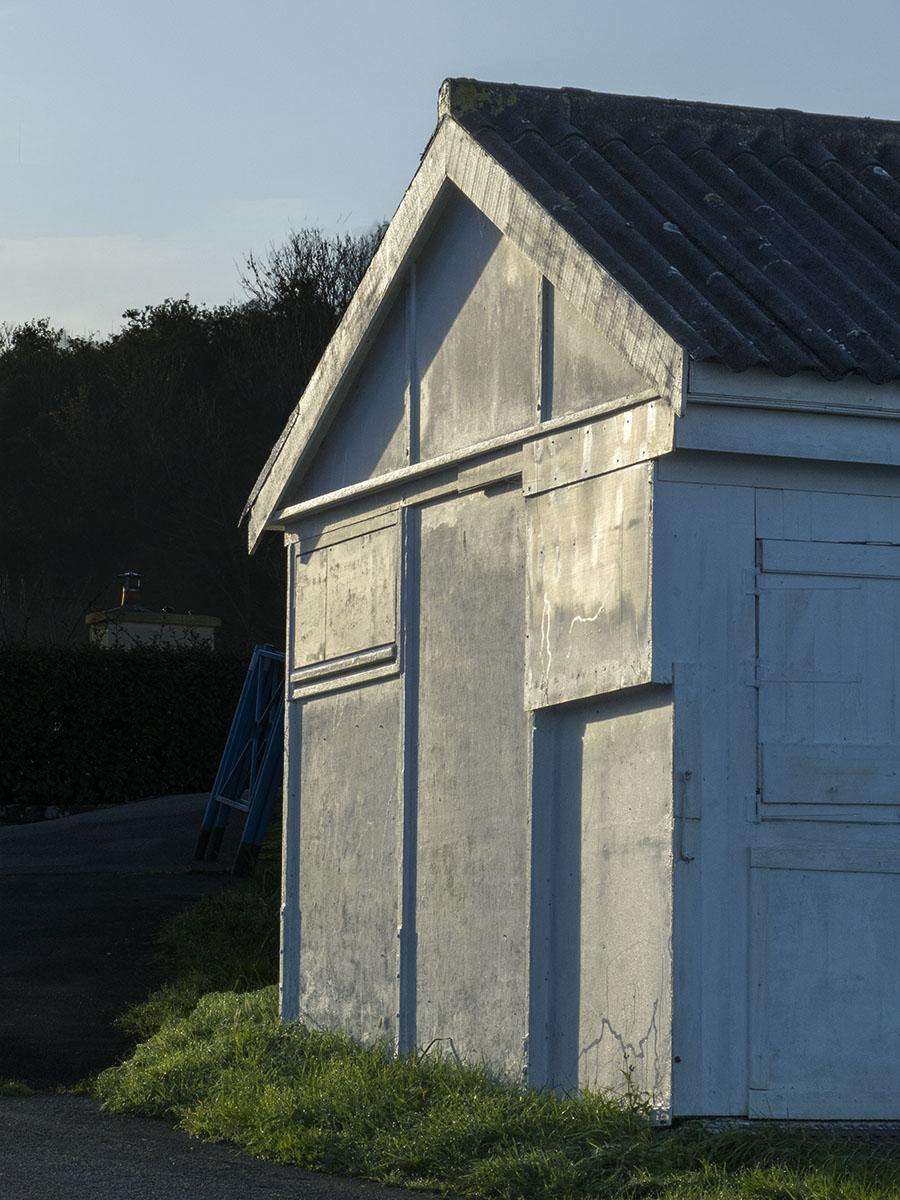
(633, 435)
(607, 865)
(370, 435)
(310, 576)
(476, 333)
(362, 592)
(473, 814)
(589, 588)
(350, 859)
(586, 369)
(346, 595)
(626, 866)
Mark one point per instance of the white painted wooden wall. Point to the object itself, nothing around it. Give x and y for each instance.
(783, 605)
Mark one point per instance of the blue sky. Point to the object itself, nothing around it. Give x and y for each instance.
(146, 148)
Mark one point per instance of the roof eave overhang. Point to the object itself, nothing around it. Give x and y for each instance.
(455, 156)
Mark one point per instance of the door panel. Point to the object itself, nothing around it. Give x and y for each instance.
(827, 671)
(836, 774)
(825, 974)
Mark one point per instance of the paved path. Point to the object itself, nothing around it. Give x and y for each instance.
(62, 1148)
(80, 901)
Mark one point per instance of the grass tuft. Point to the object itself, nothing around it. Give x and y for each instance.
(15, 1087)
(230, 1070)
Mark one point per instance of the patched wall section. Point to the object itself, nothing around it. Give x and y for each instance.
(589, 588)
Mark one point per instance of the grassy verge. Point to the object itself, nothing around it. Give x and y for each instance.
(217, 1061)
(231, 1071)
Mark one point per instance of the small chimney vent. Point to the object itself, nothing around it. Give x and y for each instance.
(132, 624)
(131, 588)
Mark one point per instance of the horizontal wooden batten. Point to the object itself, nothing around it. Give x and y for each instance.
(351, 670)
(347, 662)
(807, 390)
(460, 458)
(782, 432)
(841, 859)
(787, 474)
(633, 435)
(855, 561)
(495, 470)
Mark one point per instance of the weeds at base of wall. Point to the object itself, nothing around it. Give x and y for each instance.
(230, 1070)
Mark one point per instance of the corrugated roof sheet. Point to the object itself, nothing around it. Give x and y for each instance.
(752, 236)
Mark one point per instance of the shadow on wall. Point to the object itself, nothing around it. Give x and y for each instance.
(556, 874)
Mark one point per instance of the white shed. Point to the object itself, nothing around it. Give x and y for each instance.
(592, 511)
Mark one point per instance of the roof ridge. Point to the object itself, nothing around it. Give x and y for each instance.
(461, 96)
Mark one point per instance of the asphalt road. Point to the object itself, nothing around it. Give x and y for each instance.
(63, 1148)
(80, 901)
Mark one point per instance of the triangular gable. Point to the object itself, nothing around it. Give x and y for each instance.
(454, 157)
(370, 435)
(582, 365)
(452, 365)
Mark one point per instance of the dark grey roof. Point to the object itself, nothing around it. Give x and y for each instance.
(752, 236)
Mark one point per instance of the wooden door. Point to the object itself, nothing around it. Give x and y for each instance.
(825, 905)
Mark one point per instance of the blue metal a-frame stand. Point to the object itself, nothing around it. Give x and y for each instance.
(249, 775)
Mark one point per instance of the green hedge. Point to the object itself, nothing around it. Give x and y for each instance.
(89, 726)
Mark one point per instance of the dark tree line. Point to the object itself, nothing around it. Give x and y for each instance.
(138, 451)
